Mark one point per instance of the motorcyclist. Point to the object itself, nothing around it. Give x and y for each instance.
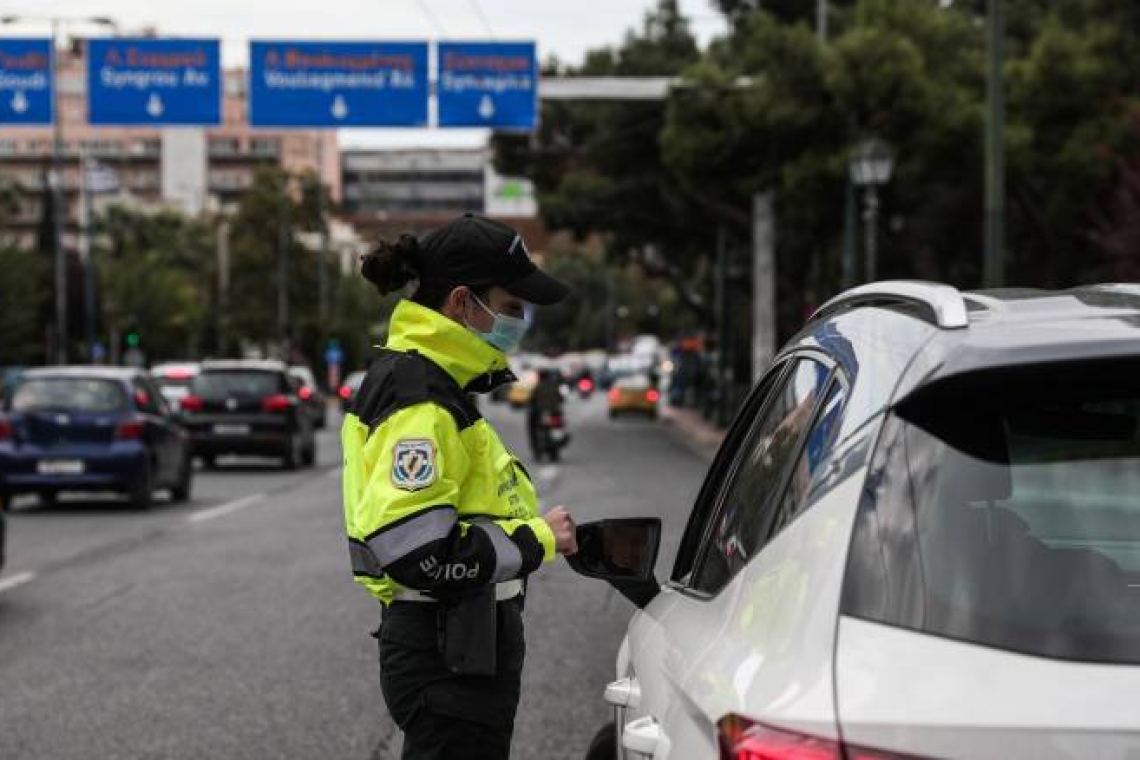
(545, 399)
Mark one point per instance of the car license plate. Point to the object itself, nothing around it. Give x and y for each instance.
(60, 467)
(231, 429)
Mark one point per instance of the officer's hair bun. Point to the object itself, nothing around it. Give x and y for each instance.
(391, 266)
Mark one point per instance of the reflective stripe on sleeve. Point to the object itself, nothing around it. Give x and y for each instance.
(508, 558)
(392, 542)
(364, 562)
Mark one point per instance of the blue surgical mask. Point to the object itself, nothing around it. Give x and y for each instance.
(506, 333)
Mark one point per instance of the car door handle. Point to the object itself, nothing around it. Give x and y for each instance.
(642, 736)
(625, 692)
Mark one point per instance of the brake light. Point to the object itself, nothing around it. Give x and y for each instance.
(585, 385)
(652, 396)
(345, 392)
(131, 430)
(192, 404)
(305, 393)
(615, 394)
(743, 739)
(276, 403)
(142, 399)
(555, 421)
(6, 431)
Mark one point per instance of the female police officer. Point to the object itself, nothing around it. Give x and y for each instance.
(442, 520)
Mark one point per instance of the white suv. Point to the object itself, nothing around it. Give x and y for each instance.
(920, 539)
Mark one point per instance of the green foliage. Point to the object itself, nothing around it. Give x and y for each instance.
(23, 293)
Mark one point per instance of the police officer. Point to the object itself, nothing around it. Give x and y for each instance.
(442, 519)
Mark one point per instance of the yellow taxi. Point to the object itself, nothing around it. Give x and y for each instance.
(634, 394)
(518, 395)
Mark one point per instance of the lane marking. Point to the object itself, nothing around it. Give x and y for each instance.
(225, 509)
(19, 579)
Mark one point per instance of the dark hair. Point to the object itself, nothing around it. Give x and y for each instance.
(391, 266)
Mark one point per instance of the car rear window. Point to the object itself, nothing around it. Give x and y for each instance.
(69, 394)
(238, 383)
(1004, 509)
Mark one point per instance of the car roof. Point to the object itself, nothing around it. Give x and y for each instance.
(88, 371)
(265, 365)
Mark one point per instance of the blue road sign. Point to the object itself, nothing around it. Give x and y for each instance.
(26, 95)
(137, 82)
(338, 84)
(488, 84)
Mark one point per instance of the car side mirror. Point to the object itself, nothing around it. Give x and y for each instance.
(622, 552)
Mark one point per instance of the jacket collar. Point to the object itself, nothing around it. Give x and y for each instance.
(474, 364)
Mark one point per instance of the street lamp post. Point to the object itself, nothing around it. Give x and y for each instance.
(55, 174)
(871, 166)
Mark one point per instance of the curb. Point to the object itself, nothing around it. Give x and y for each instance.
(693, 430)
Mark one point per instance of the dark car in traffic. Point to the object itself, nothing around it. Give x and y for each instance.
(250, 408)
(66, 429)
(350, 388)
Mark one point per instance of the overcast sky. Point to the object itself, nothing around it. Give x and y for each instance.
(564, 28)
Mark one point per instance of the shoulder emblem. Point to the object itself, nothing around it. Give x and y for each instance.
(413, 464)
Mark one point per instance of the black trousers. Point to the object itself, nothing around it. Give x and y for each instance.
(445, 716)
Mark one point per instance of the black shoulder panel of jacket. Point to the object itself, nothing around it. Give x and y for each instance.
(399, 379)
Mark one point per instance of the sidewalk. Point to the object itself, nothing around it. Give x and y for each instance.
(694, 430)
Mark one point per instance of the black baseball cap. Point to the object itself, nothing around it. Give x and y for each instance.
(480, 252)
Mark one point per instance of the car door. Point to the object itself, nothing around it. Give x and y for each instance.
(758, 484)
(160, 438)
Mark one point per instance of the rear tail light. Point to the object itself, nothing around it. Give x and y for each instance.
(345, 392)
(743, 739)
(142, 399)
(276, 403)
(652, 396)
(192, 404)
(305, 393)
(131, 430)
(6, 431)
(585, 385)
(554, 421)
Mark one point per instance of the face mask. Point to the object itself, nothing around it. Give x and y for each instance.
(506, 333)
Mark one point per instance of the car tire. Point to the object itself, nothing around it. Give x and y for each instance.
(209, 461)
(181, 491)
(48, 499)
(291, 457)
(140, 494)
(604, 744)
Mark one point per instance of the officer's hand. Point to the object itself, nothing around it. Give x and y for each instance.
(565, 534)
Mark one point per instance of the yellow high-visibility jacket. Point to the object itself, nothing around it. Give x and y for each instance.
(433, 501)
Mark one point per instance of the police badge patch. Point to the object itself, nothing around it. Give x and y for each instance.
(413, 464)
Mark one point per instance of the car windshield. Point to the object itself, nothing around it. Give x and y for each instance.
(69, 394)
(237, 383)
(633, 383)
(1007, 515)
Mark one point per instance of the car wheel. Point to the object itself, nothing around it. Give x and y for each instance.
(604, 744)
(48, 499)
(209, 461)
(140, 494)
(181, 490)
(291, 458)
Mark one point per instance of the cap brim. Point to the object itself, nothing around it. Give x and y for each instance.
(539, 288)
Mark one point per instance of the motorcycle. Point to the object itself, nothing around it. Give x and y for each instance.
(550, 436)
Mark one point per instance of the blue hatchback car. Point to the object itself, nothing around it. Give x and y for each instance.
(91, 429)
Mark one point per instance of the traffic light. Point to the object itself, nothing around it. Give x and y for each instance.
(133, 339)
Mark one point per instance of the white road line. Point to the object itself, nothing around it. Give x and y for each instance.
(225, 509)
(19, 579)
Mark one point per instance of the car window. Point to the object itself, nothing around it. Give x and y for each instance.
(705, 507)
(69, 394)
(748, 505)
(810, 466)
(147, 398)
(1004, 513)
(247, 383)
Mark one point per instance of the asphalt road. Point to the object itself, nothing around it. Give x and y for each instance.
(230, 627)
